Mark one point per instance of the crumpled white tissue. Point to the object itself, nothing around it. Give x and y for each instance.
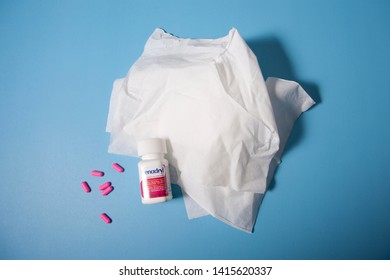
(225, 127)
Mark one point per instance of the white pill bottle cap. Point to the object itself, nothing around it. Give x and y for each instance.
(152, 146)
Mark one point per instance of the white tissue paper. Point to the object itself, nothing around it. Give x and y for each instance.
(225, 127)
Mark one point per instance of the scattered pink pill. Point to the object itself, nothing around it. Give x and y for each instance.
(85, 186)
(107, 190)
(104, 186)
(105, 218)
(117, 167)
(97, 173)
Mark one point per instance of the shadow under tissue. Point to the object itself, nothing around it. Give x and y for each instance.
(274, 62)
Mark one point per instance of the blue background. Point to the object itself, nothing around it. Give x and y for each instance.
(330, 198)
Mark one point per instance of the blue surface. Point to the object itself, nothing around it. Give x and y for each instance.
(331, 195)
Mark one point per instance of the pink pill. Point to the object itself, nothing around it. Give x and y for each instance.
(85, 186)
(107, 190)
(104, 186)
(117, 167)
(105, 218)
(97, 173)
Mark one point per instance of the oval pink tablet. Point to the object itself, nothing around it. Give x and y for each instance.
(105, 218)
(85, 186)
(97, 173)
(117, 167)
(107, 190)
(104, 185)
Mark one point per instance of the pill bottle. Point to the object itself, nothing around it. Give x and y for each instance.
(153, 171)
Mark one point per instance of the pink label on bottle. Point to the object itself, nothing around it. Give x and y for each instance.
(157, 187)
(152, 185)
